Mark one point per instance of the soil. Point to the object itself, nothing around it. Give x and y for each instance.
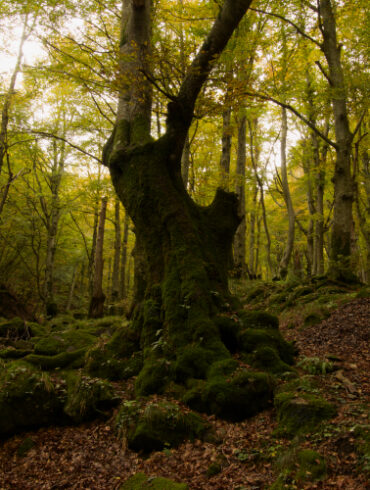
(91, 457)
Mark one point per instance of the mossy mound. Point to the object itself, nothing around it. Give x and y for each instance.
(251, 339)
(266, 358)
(299, 466)
(74, 359)
(13, 353)
(66, 341)
(28, 398)
(236, 397)
(258, 319)
(142, 482)
(14, 328)
(153, 426)
(87, 397)
(101, 362)
(301, 413)
(154, 377)
(118, 358)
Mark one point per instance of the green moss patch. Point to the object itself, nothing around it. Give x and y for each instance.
(67, 341)
(28, 398)
(266, 358)
(258, 319)
(301, 413)
(142, 482)
(252, 339)
(299, 466)
(73, 359)
(87, 397)
(242, 395)
(14, 328)
(154, 426)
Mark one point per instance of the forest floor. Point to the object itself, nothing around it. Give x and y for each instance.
(90, 455)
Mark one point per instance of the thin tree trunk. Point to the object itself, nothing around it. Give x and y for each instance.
(96, 309)
(226, 149)
(240, 235)
(283, 266)
(185, 162)
(254, 153)
(252, 266)
(9, 97)
(117, 254)
(52, 226)
(72, 288)
(91, 270)
(123, 287)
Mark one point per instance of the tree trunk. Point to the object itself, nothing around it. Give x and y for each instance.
(117, 254)
(254, 153)
(72, 288)
(283, 266)
(9, 96)
(240, 268)
(252, 265)
(123, 287)
(52, 224)
(226, 149)
(340, 249)
(96, 309)
(185, 247)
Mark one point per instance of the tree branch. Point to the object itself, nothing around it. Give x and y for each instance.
(294, 111)
(59, 138)
(180, 112)
(297, 28)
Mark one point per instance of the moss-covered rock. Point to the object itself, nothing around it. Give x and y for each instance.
(258, 319)
(252, 339)
(12, 353)
(154, 376)
(67, 341)
(142, 482)
(301, 413)
(101, 362)
(13, 328)
(87, 397)
(234, 398)
(157, 425)
(74, 359)
(266, 358)
(28, 398)
(193, 362)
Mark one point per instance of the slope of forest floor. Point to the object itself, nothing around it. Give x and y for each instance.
(249, 455)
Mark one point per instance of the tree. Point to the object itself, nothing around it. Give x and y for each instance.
(186, 248)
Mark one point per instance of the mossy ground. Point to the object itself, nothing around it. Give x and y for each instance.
(251, 450)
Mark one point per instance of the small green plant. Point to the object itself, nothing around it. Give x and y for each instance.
(315, 365)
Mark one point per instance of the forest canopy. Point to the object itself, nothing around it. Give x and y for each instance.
(264, 125)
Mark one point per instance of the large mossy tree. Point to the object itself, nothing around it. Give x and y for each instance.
(183, 250)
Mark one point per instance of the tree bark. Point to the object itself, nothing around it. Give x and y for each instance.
(96, 308)
(226, 149)
(52, 224)
(240, 266)
(283, 266)
(185, 247)
(117, 254)
(340, 249)
(123, 286)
